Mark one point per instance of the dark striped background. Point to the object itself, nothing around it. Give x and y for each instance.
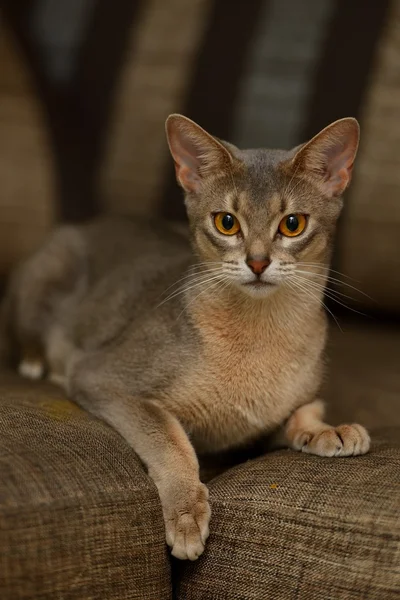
(255, 72)
(79, 108)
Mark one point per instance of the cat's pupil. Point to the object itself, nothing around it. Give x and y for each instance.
(292, 223)
(227, 222)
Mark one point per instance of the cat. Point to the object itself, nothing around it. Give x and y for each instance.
(197, 343)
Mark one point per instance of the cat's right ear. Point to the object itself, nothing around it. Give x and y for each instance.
(196, 153)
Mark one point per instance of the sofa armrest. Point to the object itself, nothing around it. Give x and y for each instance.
(79, 517)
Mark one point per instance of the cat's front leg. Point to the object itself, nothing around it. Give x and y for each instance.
(163, 446)
(306, 431)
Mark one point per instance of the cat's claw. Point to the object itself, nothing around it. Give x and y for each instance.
(187, 523)
(344, 440)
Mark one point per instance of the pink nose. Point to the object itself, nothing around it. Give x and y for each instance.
(258, 266)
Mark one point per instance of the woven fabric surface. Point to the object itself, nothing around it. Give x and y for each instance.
(292, 526)
(79, 518)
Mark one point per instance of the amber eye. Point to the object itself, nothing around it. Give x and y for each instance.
(292, 225)
(226, 223)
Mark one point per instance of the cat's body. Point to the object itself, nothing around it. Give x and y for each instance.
(227, 371)
(169, 346)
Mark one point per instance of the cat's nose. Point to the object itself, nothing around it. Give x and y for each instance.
(258, 265)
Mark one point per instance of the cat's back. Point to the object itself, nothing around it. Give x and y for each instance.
(130, 263)
(88, 282)
(115, 242)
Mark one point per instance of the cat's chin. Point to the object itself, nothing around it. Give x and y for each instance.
(258, 289)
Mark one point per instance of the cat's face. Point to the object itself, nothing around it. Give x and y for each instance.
(261, 218)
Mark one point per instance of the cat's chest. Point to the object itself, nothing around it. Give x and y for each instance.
(251, 369)
(241, 385)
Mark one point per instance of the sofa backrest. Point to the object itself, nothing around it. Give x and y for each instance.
(260, 73)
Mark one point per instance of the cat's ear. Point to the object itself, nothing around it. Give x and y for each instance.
(196, 153)
(329, 157)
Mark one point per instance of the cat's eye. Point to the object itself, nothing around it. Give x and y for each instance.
(292, 225)
(226, 223)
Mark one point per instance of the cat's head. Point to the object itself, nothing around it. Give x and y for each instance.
(263, 215)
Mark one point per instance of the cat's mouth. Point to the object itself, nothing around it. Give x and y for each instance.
(257, 283)
(257, 288)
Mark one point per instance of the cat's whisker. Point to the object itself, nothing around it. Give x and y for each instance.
(310, 294)
(324, 289)
(199, 265)
(193, 275)
(286, 191)
(328, 294)
(294, 187)
(233, 180)
(317, 283)
(224, 266)
(213, 285)
(336, 280)
(326, 267)
(185, 288)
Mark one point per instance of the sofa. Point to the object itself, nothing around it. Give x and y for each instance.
(83, 97)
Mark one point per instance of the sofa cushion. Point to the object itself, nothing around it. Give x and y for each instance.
(363, 375)
(290, 525)
(79, 518)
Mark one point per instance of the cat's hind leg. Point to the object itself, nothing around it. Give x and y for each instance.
(38, 294)
(32, 367)
(306, 431)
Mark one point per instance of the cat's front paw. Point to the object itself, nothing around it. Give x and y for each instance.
(344, 440)
(187, 514)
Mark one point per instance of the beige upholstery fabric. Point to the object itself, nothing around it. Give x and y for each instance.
(79, 518)
(288, 525)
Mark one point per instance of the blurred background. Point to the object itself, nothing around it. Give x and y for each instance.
(86, 85)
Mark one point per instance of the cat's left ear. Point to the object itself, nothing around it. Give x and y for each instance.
(329, 157)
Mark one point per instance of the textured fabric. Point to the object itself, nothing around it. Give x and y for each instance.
(288, 525)
(79, 518)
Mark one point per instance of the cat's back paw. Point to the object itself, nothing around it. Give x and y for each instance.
(31, 369)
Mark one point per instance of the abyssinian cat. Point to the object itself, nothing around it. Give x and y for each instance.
(198, 348)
